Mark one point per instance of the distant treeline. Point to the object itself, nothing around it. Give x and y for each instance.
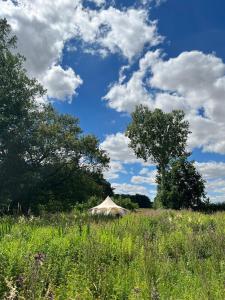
(212, 207)
(144, 202)
(141, 200)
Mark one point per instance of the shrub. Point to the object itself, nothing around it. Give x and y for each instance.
(126, 203)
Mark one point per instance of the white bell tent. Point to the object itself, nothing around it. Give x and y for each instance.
(108, 207)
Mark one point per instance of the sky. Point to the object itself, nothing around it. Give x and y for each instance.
(98, 59)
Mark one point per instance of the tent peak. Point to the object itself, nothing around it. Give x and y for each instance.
(108, 207)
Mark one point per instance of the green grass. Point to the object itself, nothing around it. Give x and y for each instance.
(148, 255)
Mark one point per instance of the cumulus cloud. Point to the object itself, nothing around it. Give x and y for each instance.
(192, 81)
(115, 168)
(214, 174)
(61, 84)
(124, 96)
(43, 29)
(200, 79)
(148, 178)
(125, 188)
(211, 169)
(127, 31)
(116, 145)
(117, 31)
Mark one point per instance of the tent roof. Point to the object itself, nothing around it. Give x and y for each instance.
(108, 207)
(108, 203)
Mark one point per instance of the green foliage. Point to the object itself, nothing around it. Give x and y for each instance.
(158, 136)
(17, 94)
(125, 203)
(153, 255)
(91, 202)
(45, 161)
(141, 200)
(184, 186)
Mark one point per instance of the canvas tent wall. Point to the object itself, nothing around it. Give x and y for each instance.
(108, 207)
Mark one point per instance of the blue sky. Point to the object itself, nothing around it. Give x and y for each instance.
(98, 59)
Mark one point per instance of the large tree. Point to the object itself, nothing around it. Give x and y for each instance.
(158, 136)
(17, 100)
(184, 187)
(43, 154)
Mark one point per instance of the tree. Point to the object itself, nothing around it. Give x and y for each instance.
(141, 200)
(17, 100)
(158, 136)
(185, 187)
(44, 157)
(60, 161)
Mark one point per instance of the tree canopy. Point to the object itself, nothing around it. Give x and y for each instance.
(44, 157)
(158, 136)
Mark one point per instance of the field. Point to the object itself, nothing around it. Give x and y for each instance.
(145, 255)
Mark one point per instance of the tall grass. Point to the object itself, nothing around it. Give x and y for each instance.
(159, 255)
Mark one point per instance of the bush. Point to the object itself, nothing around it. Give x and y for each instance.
(125, 203)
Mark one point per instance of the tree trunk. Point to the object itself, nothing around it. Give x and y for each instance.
(163, 173)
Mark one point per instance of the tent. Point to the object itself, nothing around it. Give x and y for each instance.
(108, 207)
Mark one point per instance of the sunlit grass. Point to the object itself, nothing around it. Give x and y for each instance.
(147, 255)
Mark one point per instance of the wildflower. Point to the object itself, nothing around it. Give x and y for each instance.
(20, 281)
(50, 295)
(39, 258)
(12, 290)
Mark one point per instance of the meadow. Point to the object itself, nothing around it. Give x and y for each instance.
(145, 255)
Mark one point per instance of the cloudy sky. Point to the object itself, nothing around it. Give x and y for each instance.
(98, 59)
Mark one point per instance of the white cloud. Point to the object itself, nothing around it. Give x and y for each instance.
(118, 31)
(61, 84)
(217, 198)
(115, 167)
(125, 96)
(149, 178)
(198, 77)
(120, 154)
(156, 2)
(214, 174)
(211, 169)
(128, 31)
(43, 29)
(193, 82)
(125, 188)
(144, 171)
(116, 145)
(200, 80)
(98, 2)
